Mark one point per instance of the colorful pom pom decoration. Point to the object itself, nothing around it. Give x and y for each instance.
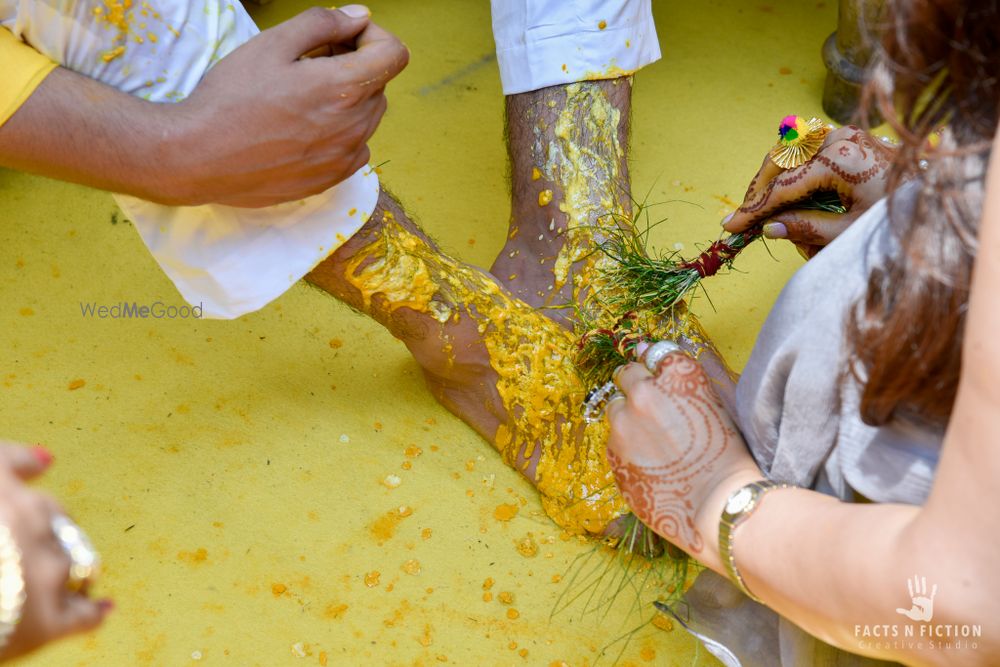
(799, 141)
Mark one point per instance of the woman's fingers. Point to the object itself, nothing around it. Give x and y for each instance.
(27, 462)
(808, 227)
(81, 614)
(630, 376)
(765, 199)
(741, 218)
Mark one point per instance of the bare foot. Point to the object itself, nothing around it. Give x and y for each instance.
(494, 361)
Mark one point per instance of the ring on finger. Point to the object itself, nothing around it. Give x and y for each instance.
(617, 396)
(657, 352)
(84, 559)
(615, 373)
(597, 401)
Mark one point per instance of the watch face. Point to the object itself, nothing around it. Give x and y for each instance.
(739, 501)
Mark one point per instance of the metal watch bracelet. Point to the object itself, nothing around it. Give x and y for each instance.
(739, 506)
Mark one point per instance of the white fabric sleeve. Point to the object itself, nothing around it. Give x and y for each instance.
(231, 261)
(544, 43)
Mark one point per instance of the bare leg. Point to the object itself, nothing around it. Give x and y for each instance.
(497, 363)
(570, 184)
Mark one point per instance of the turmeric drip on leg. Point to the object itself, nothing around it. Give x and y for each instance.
(570, 187)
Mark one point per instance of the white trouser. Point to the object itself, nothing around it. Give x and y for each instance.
(544, 43)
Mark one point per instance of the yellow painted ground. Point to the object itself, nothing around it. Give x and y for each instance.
(231, 471)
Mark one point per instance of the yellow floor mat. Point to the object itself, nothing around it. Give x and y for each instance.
(232, 472)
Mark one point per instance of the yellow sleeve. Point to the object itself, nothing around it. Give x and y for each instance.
(22, 70)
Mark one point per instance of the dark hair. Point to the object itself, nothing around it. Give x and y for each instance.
(937, 68)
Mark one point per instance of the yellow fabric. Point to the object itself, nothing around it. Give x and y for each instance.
(23, 69)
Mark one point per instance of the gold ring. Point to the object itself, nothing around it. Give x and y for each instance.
(84, 559)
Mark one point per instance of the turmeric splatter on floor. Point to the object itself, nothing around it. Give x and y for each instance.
(334, 611)
(663, 623)
(505, 512)
(527, 547)
(384, 527)
(76, 384)
(193, 557)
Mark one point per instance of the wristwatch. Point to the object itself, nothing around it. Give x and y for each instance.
(739, 507)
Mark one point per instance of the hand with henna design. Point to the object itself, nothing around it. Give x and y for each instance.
(676, 454)
(851, 163)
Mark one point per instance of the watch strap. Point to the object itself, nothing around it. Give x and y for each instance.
(748, 498)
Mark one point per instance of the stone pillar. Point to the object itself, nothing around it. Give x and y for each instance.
(847, 54)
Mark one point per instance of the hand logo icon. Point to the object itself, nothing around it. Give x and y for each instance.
(923, 605)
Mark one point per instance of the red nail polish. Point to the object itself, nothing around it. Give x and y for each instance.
(43, 455)
(106, 605)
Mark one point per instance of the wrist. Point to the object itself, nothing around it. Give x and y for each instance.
(710, 512)
(176, 138)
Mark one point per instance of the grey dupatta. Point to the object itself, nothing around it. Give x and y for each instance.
(798, 410)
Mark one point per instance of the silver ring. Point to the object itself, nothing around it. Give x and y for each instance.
(617, 396)
(657, 352)
(597, 400)
(84, 559)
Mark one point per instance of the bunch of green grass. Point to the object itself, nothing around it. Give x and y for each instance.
(640, 565)
(642, 280)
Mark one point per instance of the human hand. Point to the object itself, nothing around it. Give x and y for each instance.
(267, 126)
(851, 163)
(50, 610)
(676, 454)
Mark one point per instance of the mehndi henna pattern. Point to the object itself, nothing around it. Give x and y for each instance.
(873, 156)
(660, 495)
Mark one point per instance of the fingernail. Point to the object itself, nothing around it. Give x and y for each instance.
(775, 230)
(640, 348)
(725, 220)
(356, 11)
(43, 455)
(106, 605)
